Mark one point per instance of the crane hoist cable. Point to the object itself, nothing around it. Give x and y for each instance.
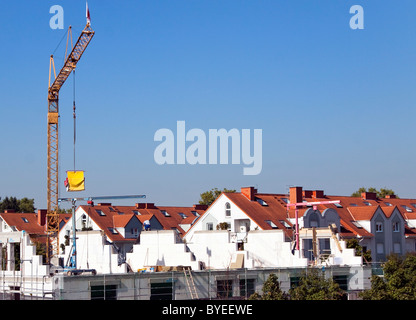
(75, 120)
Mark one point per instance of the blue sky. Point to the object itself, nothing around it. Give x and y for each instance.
(336, 105)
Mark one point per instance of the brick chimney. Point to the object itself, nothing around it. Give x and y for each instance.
(200, 207)
(145, 206)
(295, 194)
(369, 195)
(390, 196)
(307, 193)
(41, 215)
(9, 211)
(318, 194)
(249, 193)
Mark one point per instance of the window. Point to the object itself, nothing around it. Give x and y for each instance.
(413, 204)
(182, 215)
(100, 212)
(111, 209)
(271, 223)
(407, 208)
(262, 202)
(161, 291)
(120, 213)
(287, 225)
(353, 205)
(137, 212)
(227, 209)
(106, 292)
(388, 204)
(196, 214)
(210, 226)
(396, 227)
(165, 213)
(135, 232)
(355, 223)
(112, 230)
(224, 288)
(379, 226)
(338, 205)
(285, 200)
(342, 281)
(247, 287)
(25, 220)
(367, 203)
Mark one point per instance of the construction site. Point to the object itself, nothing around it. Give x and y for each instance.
(121, 247)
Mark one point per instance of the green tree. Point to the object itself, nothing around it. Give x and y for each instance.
(354, 244)
(209, 197)
(26, 205)
(23, 205)
(399, 282)
(271, 290)
(314, 286)
(382, 193)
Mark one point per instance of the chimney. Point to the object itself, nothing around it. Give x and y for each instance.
(307, 193)
(369, 195)
(41, 215)
(145, 206)
(318, 194)
(390, 196)
(9, 211)
(295, 194)
(249, 193)
(105, 204)
(200, 207)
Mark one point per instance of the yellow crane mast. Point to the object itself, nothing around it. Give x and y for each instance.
(52, 217)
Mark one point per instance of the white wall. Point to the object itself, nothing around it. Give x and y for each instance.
(160, 247)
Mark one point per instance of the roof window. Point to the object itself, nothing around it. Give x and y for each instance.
(182, 215)
(112, 230)
(367, 203)
(25, 220)
(355, 223)
(100, 212)
(407, 208)
(165, 213)
(271, 223)
(262, 202)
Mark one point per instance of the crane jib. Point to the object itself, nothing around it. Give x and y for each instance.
(72, 60)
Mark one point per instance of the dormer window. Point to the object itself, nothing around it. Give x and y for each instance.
(227, 209)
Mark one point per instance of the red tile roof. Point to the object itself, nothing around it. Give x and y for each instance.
(112, 218)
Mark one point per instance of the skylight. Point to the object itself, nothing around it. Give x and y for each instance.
(271, 223)
(353, 205)
(100, 212)
(407, 208)
(112, 230)
(286, 200)
(165, 213)
(285, 224)
(338, 205)
(25, 220)
(137, 212)
(367, 203)
(196, 214)
(413, 204)
(182, 215)
(262, 202)
(388, 204)
(355, 223)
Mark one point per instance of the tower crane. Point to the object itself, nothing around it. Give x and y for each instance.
(52, 216)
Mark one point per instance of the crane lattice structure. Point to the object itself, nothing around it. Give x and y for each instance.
(52, 217)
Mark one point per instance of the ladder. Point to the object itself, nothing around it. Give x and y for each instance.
(190, 282)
